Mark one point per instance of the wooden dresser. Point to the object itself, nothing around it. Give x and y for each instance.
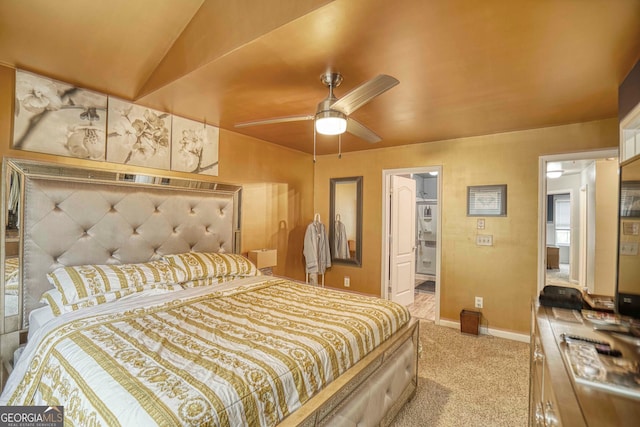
(556, 399)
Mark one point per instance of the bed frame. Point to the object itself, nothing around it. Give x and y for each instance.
(74, 216)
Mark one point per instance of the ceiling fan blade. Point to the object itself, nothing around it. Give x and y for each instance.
(274, 120)
(364, 93)
(361, 131)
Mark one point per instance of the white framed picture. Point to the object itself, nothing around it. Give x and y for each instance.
(194, 147)
(138, 135)
(54, 117)
(487, 200)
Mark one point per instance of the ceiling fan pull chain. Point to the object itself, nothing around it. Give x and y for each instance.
(340, 146)
(314, 144)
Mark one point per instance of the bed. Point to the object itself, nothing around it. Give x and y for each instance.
(140, 333)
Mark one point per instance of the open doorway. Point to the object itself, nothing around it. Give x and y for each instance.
(559, 234)
(578, 211)
(425, 240)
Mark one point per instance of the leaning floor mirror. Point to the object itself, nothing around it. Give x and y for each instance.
(345, 225)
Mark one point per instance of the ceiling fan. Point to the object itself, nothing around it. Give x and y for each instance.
(332, 114)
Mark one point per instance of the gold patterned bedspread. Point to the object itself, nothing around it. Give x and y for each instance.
(227, 355)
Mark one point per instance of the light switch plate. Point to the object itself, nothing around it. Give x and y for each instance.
(629, 248)
(484, 240)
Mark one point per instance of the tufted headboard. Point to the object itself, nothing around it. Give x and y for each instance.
(75, 222)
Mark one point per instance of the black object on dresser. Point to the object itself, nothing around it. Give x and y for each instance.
(561, 297)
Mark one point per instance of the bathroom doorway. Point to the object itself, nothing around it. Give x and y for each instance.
(426, 231)
(427, 245)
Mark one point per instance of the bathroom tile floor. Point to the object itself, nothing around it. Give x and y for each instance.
(424, 306)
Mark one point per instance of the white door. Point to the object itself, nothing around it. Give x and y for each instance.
(403, 238)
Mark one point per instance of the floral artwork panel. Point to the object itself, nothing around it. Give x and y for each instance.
(138, 135)
(54, 117)
(194, 147)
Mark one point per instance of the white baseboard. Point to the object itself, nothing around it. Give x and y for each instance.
(489, 331)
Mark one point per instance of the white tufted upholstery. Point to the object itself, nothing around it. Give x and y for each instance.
(74, 223)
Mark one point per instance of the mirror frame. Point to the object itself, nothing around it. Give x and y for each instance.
(357, 258)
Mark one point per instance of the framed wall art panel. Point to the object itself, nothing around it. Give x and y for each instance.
(58, 118)
(138, 135)
(194, 147)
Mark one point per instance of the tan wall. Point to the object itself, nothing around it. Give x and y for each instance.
(277, 200)
(504, 274)
(606, 227)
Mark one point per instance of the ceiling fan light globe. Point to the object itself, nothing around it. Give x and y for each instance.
(552, 174)
(331, 123)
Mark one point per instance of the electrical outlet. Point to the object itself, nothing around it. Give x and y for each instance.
(479, 302)
(481, 224)
(484, 240)
(347, 281)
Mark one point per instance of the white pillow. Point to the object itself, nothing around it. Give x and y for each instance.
(88, 282)
(202, 265)
(53, 298)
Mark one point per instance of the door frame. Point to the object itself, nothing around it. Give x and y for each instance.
(386, 227)
(583, 214)
(542, 198)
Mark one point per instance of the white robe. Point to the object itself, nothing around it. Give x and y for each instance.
(316, 248)
(341, 244)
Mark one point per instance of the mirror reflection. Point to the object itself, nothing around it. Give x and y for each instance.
(580, 223)
(345, 228)
(12, 241)
(628, 291)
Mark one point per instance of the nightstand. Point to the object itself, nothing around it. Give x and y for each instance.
(264, 259)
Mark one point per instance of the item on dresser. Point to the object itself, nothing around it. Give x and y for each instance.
(621, 329)
(572, 316)
(562, 297)
(600, 303)
(570, 338)
(612, 374)
(601, 317)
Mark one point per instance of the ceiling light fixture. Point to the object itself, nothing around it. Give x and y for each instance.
(331, 122)
(433, 173)
(552, 174)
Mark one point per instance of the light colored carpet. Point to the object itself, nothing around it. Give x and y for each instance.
(467, 380)
(559, 277)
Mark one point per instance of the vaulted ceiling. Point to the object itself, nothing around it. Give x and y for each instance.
(465, 67)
